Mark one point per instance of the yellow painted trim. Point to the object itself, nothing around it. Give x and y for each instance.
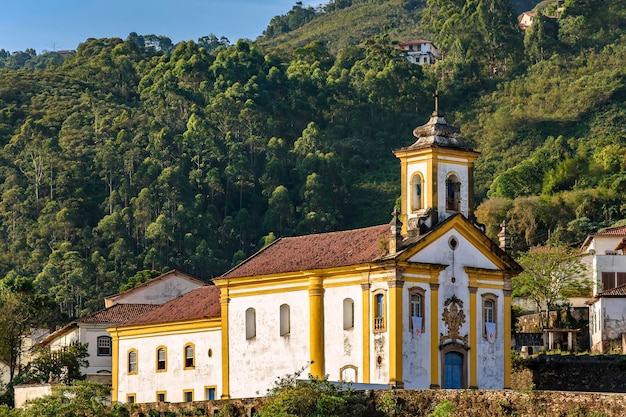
(316, 322)
(207, 387)
(257, 291)
(434, 331)
(134, 396)
(395, 335)
(474, 338)
(365, 298)
(156, 351)
(185, 391)
(128, 371)
(404, 205)
(193, 356)
(224, 300)
(158, 329)
(115, 366)
(507, 339)
(433, 172)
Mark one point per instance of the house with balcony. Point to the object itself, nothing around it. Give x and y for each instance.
(420, 51)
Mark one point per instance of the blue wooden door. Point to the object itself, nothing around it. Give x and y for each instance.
(453, 371)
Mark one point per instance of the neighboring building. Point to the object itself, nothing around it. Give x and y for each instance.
(604, 253)
(526, 19)
(119, 309)
(92, 330)
(422, 302)
(420, 51)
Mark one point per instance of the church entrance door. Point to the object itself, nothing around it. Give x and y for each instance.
(453, 370)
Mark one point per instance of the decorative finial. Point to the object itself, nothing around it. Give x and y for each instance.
(436, 112)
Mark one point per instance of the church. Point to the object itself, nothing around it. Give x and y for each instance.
(422, 302)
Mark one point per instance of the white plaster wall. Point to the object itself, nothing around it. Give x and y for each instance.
(445, 168)
(490, 357)
(256, 364)
(416, 350)
(607, 263)
(595, 322)
(90, 334)
(159, 291)
(66, 339)
(601, 244)
(5, 374)
(614, 317)
(342, 347)
(28, 392)
(145, 384)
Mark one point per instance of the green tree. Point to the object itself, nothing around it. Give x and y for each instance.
(550, 275)
(63, 366)
(80, 399)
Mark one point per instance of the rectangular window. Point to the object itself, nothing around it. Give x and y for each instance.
(104, 346)
(209, 393)
(608, 280)
(130, 398)
(161, 396)
(621, 279)
(188, 395)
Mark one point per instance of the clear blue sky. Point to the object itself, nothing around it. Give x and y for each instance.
(63, 24)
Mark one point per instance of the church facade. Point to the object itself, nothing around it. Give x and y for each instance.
(421, 302)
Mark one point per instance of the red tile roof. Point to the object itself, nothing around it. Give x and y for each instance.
(201, 303)
(614, 292)
(324, 250)
(613, 231)
(119, 313)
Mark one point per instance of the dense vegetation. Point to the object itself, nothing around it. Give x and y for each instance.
(135, 156)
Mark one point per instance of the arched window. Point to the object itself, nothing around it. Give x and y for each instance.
(161, 359)
(416, 310)
(348, 314)
(453, 193)
(490, 314)
(132, 361)
(285, 320)
(189, 356)
(250, 323)
(417, 192)
(104, 346)
(379, 311)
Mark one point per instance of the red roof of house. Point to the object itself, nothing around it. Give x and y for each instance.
(119, 313)
(317, 251)
(612, 231)
(614, 292)
(201, 303)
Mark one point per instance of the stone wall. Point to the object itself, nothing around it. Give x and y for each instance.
(405, 403)
(587, 373)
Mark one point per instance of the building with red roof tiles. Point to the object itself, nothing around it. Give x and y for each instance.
(421, 302)
(420, 51)
(603, 252)
(121, 308)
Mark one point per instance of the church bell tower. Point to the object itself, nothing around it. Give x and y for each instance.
(437, 176)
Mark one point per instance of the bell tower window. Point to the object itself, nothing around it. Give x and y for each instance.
(417, 192)
(453, 193)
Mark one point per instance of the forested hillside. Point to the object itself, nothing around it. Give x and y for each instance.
(137, 156)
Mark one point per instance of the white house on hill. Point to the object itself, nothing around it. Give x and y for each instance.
(420, 51)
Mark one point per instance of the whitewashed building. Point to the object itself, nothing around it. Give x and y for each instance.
(421, 302)
(420, 51)
(603, 251)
